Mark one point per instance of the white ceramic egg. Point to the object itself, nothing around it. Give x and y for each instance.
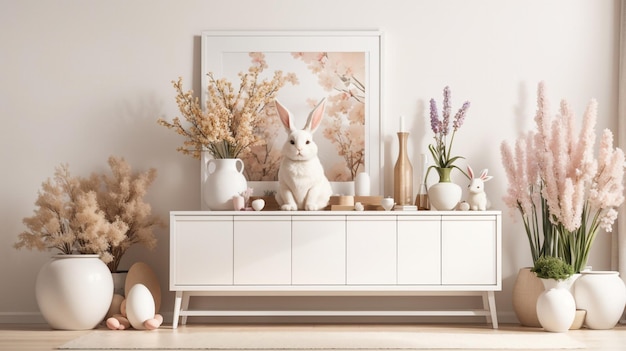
(463, 206)
(116, 306)
(258, 204)
(139, 306)
(141, 273)
(359, 206)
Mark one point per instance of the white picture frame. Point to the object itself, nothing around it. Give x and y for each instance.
(220, 49)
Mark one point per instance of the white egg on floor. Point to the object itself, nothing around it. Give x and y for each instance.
(139, 306)
(141, 273)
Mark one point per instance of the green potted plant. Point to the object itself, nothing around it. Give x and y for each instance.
(556, 308)
(550, 267)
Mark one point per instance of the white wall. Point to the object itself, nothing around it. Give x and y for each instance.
(82, 80)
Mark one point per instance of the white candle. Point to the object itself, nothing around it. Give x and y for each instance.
(424, 168)
(401, 123)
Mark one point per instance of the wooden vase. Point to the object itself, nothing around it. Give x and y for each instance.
(403, 174)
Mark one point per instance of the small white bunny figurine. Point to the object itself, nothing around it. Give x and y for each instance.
(477, 197)
(302, 184)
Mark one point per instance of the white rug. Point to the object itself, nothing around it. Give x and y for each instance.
(318, 338)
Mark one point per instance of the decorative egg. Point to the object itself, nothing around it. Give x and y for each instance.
(258, 204)
(139, 306)
(141, 273)
(359, 206)
(463, 206)
(116, 306)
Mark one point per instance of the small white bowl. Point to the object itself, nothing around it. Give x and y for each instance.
(387, 203)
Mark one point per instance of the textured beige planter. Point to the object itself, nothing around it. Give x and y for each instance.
(526, 290)
(579, 319)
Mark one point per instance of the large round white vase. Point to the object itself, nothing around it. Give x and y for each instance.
(556, 308)
(74, 292)
(225, 179)
(603, 295)
(445, 195)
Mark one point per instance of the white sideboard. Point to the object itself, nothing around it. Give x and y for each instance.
(335, 253)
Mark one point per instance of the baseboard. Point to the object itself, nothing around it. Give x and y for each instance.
(505, 317)
(21, 318)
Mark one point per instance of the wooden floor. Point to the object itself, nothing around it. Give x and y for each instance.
(41, 337)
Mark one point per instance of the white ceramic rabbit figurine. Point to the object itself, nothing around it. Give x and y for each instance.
(302, 184)
(477, 197)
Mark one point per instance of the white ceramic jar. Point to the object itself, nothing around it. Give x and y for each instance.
(74, 292)
(444, 196)
(603, 295)
(556, 307)
(225, 179)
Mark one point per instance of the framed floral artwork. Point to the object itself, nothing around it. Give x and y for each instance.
(342, 67)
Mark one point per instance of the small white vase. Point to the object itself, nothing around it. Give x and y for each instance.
(362, 184)
(74, 292)
(224, 180)
(556, 308)
(603, 295)
(444, 196)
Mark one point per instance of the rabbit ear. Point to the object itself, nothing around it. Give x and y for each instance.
(470, 172)
(285, 116)
(315, 117)
(484, 176)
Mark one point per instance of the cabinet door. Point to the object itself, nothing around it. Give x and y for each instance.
(371, 250)
(262, 250)
(469, 250)
(318, 250)
(201, 250)
(419, 250)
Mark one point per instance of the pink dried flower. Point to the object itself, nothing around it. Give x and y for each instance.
(578, 193)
